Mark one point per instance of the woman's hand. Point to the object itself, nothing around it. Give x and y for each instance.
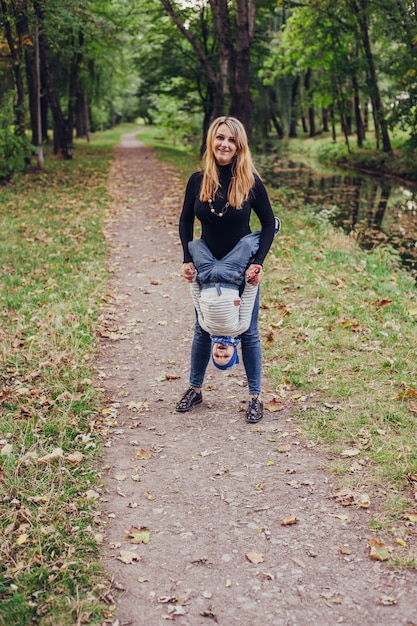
(254, 274)
(188, 271)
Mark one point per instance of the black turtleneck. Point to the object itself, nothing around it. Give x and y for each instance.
(221, 234)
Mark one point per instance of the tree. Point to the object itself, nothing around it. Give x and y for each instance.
(234, 34)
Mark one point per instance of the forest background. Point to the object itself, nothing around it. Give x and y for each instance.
(286, 69)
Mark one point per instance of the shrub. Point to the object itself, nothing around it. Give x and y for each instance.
(14, 151)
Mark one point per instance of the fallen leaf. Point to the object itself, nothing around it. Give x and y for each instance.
(383, 302)
(350, 452)
(288, 521)
(413, 407)
(284, 448)
(379, 550)
(166, 599)
(255, 557)
(128, 557)
(139, 535)
(344, 550)
(411, 517)
(143, 455)
(7, 449)
(120, 477)
(137, 406)
(57, 453)
(409, 393)
(387, 601)
(92, 495)
(75, 458)
(172, 376)
(274, 405)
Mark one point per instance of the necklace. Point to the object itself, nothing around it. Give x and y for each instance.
(213, 210)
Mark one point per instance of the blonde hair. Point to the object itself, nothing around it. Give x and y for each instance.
(243, 169)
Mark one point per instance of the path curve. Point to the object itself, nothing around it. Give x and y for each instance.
(208, 489)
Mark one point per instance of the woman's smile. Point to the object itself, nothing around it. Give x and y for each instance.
(224, 145)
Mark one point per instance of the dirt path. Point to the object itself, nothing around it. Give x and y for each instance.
(209, 489)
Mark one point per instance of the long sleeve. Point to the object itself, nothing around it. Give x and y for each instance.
(186, 224)
(224, 314)
(261, 205)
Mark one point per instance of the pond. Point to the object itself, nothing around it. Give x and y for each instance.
(380, 210)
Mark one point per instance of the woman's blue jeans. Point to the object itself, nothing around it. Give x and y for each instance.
(251, 354)
(231, 268)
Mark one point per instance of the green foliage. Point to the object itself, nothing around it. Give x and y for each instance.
(14, 151)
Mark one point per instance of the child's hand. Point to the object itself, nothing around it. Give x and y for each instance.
(188, 271)
(254, 274)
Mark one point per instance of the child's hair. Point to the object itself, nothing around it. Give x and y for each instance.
(243, 169)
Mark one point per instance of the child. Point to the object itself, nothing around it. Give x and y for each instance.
(224, 309)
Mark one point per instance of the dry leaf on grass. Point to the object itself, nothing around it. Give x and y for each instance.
(350, 452)
(75, 458)
(57, 453)
(90, 494)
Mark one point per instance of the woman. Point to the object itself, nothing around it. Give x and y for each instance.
(222, 197)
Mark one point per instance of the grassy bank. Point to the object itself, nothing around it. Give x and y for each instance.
(400, 163)
(52, 284)
(340, 338)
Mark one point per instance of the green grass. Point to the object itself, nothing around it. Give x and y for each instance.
(340, 345)
(52, 286)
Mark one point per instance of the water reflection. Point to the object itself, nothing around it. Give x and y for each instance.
(380, 211)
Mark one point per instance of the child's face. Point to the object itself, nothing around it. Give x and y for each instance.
(222, 354)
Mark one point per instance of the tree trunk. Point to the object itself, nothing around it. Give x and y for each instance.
(72, 89)
(311, 116)
(277, 125)
(215, 84)
(325, 119)
(15, 53)
(294, 98)
(241, 100)
(359, 9)
(22, 29)
(360, 132)
(60, 130)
